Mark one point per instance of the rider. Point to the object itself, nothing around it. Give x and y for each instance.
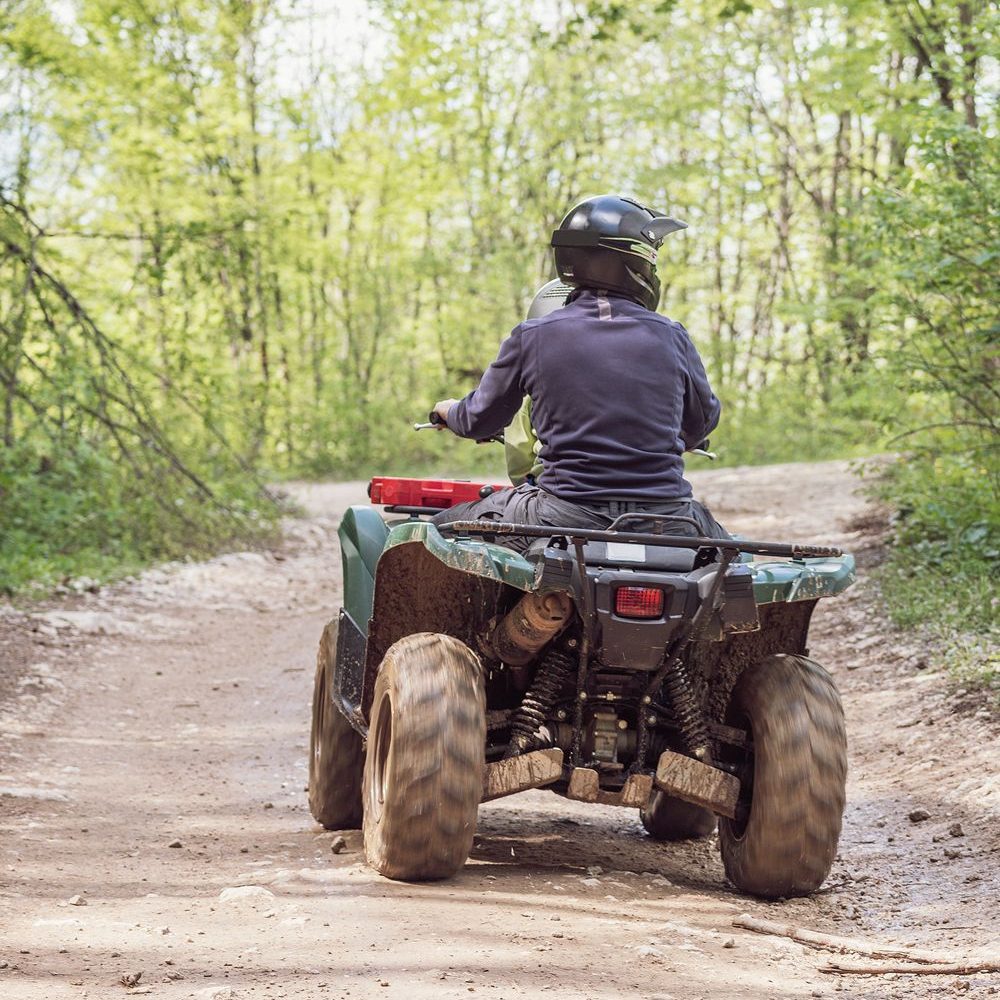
(618, 392)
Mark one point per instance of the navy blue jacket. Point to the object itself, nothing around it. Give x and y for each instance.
(617, 394)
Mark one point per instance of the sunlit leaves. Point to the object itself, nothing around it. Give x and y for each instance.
(310, 246)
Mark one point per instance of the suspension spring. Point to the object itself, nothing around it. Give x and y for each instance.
(688, 716)
(553, 672)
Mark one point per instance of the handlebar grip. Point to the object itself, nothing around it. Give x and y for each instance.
(435, 418)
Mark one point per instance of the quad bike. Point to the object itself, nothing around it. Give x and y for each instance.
(642, 669)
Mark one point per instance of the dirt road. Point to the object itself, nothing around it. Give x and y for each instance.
(153, 816)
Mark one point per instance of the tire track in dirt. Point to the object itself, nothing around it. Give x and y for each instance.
(175, 709)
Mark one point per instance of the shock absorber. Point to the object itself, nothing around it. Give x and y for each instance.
(553, 672)
(690, 720)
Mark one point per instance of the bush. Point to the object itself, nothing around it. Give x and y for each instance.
(79, 513)
(941, 572)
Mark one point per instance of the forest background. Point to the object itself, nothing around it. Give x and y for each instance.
(242, 240)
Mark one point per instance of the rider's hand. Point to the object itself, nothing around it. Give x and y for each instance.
(442, 409)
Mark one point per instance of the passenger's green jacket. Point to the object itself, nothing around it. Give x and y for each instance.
(521, 446)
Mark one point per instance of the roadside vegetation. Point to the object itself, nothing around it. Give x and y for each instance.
(940, 577)
(940, 286)
(241, 242)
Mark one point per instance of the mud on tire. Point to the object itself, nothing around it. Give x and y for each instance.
(668, 818)
(424, 763)
(336, 752)
(794, 781)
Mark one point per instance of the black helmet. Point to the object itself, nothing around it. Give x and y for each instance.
(610, 242)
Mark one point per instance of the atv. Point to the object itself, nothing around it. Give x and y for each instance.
(639, 668)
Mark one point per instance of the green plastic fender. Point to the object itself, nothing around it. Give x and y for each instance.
(801, 580)
(467, 554)
(362, 535)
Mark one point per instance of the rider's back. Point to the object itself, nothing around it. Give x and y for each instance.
(617, 394)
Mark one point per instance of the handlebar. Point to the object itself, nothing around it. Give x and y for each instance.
(434, 422)
(702, 450)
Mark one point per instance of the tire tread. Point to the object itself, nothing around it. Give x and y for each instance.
(428, 818)
(335, 764)
(790, 840)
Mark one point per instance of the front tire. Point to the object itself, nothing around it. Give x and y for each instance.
(668, 818)
(335, 750)
(784, 839)
(423, 777)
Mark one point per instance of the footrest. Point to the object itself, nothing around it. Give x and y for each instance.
(701, 784)
(518, 774)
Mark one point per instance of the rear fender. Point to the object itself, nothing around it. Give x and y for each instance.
(416, 592)
(716, 666)
(410, 579)
(802, 579)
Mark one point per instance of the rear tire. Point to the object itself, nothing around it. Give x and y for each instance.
(784, 841)
(423, 777)
(669, 818)
(335, 749)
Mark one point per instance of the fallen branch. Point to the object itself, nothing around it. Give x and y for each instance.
(828, 942)
(912, 969)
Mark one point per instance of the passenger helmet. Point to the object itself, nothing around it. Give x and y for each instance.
(610, 243)
(550, 297)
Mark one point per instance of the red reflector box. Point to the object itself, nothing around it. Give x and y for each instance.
(432, 493)
(639, 602)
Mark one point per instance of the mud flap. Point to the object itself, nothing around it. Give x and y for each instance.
(348, 672)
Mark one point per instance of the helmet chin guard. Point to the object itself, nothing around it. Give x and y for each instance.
(610, 243)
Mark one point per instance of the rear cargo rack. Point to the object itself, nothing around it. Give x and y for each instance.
(793, 550)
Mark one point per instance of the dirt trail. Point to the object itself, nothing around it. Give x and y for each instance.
(173, 710)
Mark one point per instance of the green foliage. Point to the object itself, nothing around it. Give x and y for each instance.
(785, 422)
(942, 571)
(92, 479)
(934, 243)
(947, 509)
(933, 240)
(228, 253)
(74, 514)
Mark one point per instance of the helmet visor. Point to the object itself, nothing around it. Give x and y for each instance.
(659, 228)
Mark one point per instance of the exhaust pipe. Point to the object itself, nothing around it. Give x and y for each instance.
(534, 621)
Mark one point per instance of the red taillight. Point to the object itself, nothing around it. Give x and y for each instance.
(639, 602)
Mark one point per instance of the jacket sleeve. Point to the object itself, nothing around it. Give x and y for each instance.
(491, 406)
(701, 408)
